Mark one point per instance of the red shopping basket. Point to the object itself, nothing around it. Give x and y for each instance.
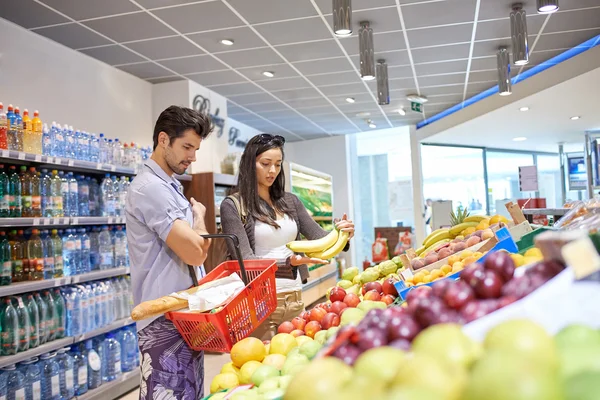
(219, 331)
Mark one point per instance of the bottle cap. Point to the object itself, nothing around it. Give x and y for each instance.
(36, 113)
(10, 107)
(25, 112)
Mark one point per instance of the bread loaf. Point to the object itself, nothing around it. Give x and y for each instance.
(154, 308)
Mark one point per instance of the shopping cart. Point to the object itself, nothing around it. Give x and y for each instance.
(219, 331)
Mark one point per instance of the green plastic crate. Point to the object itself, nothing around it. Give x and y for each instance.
(528, 240)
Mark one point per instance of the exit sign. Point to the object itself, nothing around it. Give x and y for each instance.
(416, 107)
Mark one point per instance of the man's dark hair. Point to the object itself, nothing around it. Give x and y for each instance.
(174, 121)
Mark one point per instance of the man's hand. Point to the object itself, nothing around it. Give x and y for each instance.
(345, 225)
(199, 212)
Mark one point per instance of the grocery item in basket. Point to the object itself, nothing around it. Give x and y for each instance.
(212, 294)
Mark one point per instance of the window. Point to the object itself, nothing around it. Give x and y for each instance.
(503, 179)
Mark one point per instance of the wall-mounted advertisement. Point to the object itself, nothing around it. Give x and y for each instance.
(576, 171)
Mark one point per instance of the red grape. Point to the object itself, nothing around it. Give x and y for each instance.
(449, 317)
(439, 288)
(475, 275)
(403, 327)
(401, 344)
(501, 263)
(371, 338)
(428, 310)
(518, 287)
(490, 286)
(458, 295)
(347, 353)
(478, 308)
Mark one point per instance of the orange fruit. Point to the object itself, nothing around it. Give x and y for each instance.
(248, 349)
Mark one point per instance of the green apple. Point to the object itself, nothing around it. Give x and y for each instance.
(322, 379)
(320, 337)
(577, 335)
(351, 315)
(310, 349)
(332, 331)
(264, 372)
(584, 386)
(447, 342)
(380, 363)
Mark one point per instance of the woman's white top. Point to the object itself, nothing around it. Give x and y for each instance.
(271, 243)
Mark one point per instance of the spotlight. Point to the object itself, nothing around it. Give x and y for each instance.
(547, 6)
(518, 29)
(227, 42)
(383, 85)
(504, 83)
(367, 52)
(342, 17)
(269, 74)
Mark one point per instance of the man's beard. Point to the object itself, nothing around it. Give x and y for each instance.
(178, 168)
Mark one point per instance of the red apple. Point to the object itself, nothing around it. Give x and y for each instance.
(389, 288)
(372, 295)
(312, 328)
(372, 286)
(305, 315)
(297, 332)
(388, 299)
(330, 320)
(352, 300)
(338, 307)
(316, 314)
(299, 323)
(337, 294)
(327, 307)
(285, 327)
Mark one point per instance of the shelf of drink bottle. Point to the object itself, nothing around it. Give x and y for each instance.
(34, 286)
(63, 163)
(60, 221)
(115, 389)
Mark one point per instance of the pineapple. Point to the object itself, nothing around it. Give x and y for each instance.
(459, 216)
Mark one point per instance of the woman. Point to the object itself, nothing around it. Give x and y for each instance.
(265, 218)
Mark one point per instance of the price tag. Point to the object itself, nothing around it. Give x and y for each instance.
(46, 221)
(113, 168)
(21, 156)
(5, 153)
(55, 221)
(71, 163)
(36, 221)
(406, 274)
(110, 220)
(98, 166)
(38, 158)
(57, 160)
(75, 221)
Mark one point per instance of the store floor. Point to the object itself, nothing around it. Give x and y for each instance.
(212, 366)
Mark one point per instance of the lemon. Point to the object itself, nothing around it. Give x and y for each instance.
(224, 381)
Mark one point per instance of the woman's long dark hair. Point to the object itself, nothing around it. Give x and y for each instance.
(248, 185)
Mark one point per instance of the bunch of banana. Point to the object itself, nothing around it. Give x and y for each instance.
(325, 248)
(436, 236)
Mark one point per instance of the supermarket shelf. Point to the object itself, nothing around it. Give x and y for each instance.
(101, 331)
(76, 165)
(114, 389)
(61, 221)
(96, 275)
(60, 343)
(45, 348)
(545, 211)
(33, 286)
(225, 180)
(25, 287)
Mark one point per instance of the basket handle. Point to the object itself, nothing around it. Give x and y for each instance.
(236, 245)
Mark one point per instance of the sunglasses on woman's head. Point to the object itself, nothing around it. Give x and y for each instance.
(267, 137)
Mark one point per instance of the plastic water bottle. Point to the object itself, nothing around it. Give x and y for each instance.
(91, 323)
(106, 249)
(113, 357)
(117, 152)
(110, 152)
(46, 141)
(15, 383)
(128, 350)
(118, 299)
(110, 301)
(95, 377)
(34, 320)
(24, 325)
(126, 295)
(94, 148)
(32, 371)
(43, 317)
(120, 248)
(57, 253)
(73, 311)
(102, 149)
(48, 254)
(64, 192)
(60, 313)
(51, 320)
(57, 138)
(45, 193)
(50, 377)
(77, 144)
(94, 249)
(35, 255)
(73, 195)
(84, 146)
(94, 198)
(66, 367)
(78, 246)
(70, 145)
(123, 185)
(84, 305)
(85, 250)
(80, 362)
(10, 327)
(69, 253)
(101, 310)
(5, 262)
(83, 196)
(16, 129)
(4, 194)
(108, 197)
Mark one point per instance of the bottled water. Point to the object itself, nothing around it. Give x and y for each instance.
(46, 141)
(57, 253)
(117, 152)
(120, 248)
(128, 350)
(43, 318)
(50, 377)
(94, 197)
(85, 250)
(108, 197)
(10, 328)
(70, 144)
(51, 319)
(80, 361)
(66, 367)
(32, 371)
(48, 254)
(15, 383)
(64, 192)
(103, 149)
(57, 138)
(110, 302)
(46, 193)
(24, 325)
(113, 357)
(70, 258)
(94, 249)
(110, 152)
(126, 295)
(94, 148)
(84, 146)
(106, 249)
(117, 297)
(56, 195)
(60, 313)
(73, 195)
(5, 261)
(83, 196)
(35, 255)
(73, 312)
(94, 354)
(34, 321)
(84, 304)
(77, 239)
(91, 320)
(100, 308)
(123, 185)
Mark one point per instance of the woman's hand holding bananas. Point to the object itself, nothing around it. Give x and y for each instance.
(325, 248)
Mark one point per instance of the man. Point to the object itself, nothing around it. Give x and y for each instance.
(163, 233)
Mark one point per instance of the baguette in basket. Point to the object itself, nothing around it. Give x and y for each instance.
(203, 298)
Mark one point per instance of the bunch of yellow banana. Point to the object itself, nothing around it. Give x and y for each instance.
(325, 248)
(471, 221)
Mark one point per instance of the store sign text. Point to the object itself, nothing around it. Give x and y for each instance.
(202, 105)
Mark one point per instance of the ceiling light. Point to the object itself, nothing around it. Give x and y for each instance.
(518, 29)
(383, 85)
(417, 98)
(524, 109)
(547, 6)
(367, 51)
(350, 99)
(503, 65)
(227, 42)
(575, 118)
(371, 124)
(363, 114)
(401, 111)
(269, 74)
(520, 139)
(342, 17)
